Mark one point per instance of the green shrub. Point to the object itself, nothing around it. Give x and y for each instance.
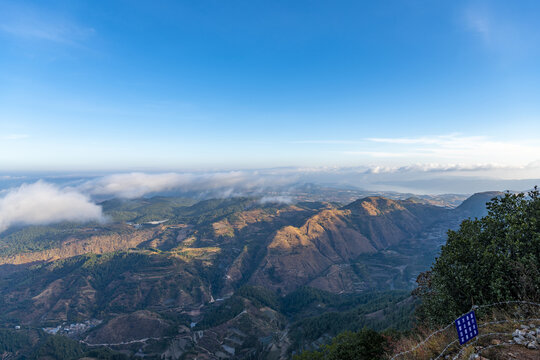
(364, 344)
(488, 260)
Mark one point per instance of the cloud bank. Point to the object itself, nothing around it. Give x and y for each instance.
(281, 181)
(434, 168)
(223, 184)
(454, 148)
(23, 203)
(42, 203)
(276, 200)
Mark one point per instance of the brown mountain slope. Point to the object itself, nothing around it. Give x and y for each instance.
(99, 244)
(89, 286)
(302, 255)
(387, 222)
(296, 255)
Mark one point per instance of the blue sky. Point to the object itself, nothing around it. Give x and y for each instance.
(199, 85)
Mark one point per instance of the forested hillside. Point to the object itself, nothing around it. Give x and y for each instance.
(489, 264)
(237, 278)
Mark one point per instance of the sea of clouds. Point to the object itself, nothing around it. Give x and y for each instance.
(43, 203)
(27, 201)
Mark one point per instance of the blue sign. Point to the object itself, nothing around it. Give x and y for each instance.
(466, 327)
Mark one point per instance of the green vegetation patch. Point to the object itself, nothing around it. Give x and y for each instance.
(375, 310)
(488, 260)
(364, 344)
(36, 344)
(40, 237)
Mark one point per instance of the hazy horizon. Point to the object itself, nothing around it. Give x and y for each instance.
(269, 179)
(115, 87)
(102, 100)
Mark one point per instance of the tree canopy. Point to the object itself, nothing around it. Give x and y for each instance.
(364, 344)
(492, 259)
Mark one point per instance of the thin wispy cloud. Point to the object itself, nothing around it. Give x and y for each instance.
(480, 22)
(236, 183)
(434, 168)
(456, 149)
(325, 142)
(24, 22)
(9, 137)
(276, 200)
(451, 148)
(222, 184)
(42, 202)
(428, 140)
(499, 32)
(381, 154)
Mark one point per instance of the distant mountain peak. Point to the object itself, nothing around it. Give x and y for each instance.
(475, 205)
(374, 206)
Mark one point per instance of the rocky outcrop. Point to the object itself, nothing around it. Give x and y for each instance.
(528, 336)
(524, 344)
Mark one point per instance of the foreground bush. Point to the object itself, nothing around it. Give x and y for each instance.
(364, 344)
(487, 260)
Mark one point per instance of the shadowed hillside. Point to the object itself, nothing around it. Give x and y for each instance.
(229, 276)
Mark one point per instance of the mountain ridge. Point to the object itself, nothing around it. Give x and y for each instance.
(188, 274)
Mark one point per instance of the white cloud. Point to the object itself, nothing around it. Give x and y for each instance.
(275, 200)
(428, 140)
(133, 185)
(33, 23)
(325, 142)
(500, 31)
(14, 137)
(453, 148)
(480, 22)
(43, 203)
(380, 154)
(239, 183)
(435, 167)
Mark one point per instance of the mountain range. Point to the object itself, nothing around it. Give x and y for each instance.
(223, 278)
